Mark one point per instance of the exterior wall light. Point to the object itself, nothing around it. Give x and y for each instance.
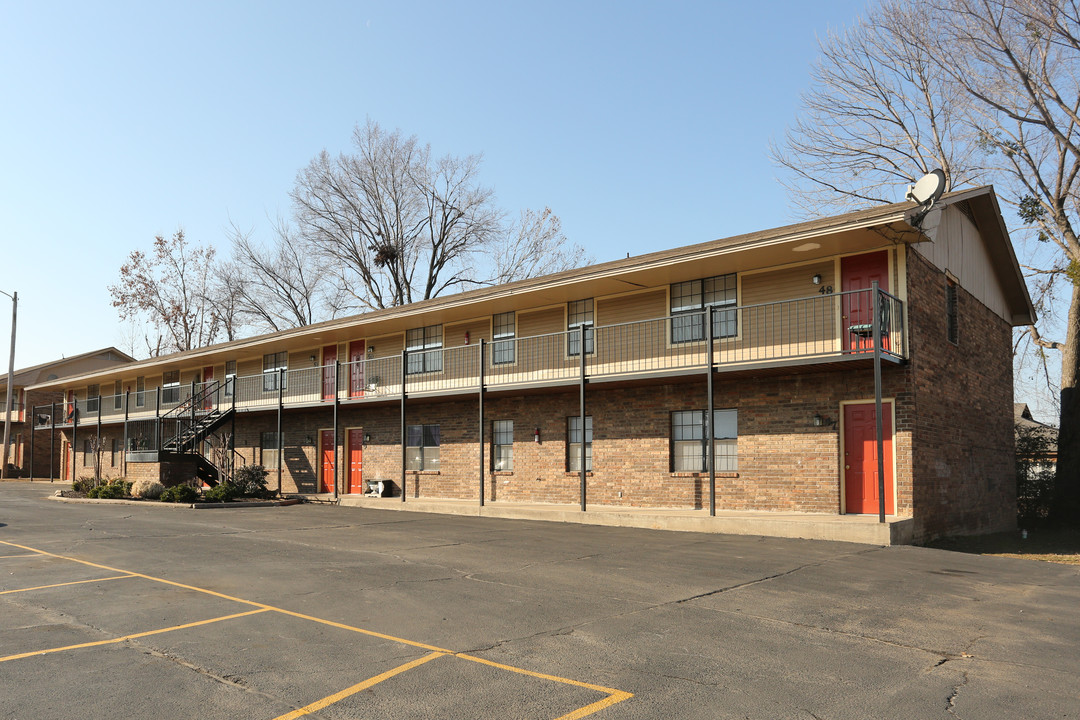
(818, 420)
(367, 438)
(816, 279)
(370, 351)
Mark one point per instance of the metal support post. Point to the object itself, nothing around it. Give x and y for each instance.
(280, 439)
(880, 447)
(404, 450)
(480, 396)
(52, 443)
(337, 372)
(74, 433)
(98, 452)
(581, 413)
(33, 427)
(124, 449)
(709, 413)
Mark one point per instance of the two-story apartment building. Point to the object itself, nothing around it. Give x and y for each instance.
(749, 373)
(19, 455)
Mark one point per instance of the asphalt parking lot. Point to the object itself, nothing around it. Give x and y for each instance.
(328, 612)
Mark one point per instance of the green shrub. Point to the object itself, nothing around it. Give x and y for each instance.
(223, 492)
(180, 494)
(147, 489)
(250, 481)
(84, 485)
(110, 490)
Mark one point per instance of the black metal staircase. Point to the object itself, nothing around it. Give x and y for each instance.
(187, 426)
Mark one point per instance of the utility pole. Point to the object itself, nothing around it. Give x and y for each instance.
(10, 383)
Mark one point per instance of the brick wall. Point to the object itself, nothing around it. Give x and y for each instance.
(785, 463)
(964, 452)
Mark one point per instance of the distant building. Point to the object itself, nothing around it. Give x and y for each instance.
(18, 452)
(1026, 424)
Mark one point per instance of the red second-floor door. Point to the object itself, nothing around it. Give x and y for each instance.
(329, 361)
(858, 272)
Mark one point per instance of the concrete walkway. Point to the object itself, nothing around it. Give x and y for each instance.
(845, 528)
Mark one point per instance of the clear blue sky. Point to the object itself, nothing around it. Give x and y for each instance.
(643, 125)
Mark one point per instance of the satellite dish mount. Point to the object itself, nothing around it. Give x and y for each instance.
(925, 193)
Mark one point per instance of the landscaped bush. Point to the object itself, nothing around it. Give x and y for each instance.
(111, 490)
(147, 489)
(250, 481)
(223, 492)
(180, 494)
(84, 485)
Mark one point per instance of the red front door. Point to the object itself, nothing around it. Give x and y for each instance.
(69, 461)
(860, 458)
(356, 461)
(356, 368)
(208, 377)
(326, 445)
(329, 360)
(857, 272)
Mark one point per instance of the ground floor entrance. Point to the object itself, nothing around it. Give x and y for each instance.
(859, 457)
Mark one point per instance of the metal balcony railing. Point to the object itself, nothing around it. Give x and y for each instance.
(838, 325)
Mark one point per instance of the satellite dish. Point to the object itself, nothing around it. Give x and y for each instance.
(928, 189)
(925, 193)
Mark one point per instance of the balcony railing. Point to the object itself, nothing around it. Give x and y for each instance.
(819, 328)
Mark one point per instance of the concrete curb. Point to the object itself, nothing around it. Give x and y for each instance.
(276, 503)
(174, 506)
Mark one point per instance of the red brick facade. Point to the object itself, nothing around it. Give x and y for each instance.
(964, 444)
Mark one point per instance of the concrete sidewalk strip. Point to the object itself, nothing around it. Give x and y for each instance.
(187, 506)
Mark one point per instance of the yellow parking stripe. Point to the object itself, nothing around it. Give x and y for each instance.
(77, 582)
(128, 637)
(331, 699)
(5, 557)
(263, 606)
(614, 696)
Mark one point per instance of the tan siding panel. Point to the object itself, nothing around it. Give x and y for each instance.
(786, 284)
(454, 335)
(541, 322)
(629, 308)
(958, 248)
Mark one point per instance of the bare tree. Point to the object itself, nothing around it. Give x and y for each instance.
(277, 287)
(880, 114)
(533, 246)
(1007, 76)
(399, 226)
(171, 291)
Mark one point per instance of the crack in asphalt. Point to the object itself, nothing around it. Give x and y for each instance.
(774, 576)
(950, 701)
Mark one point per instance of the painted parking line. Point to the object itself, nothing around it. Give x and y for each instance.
(614, 696)
(26, 555)
(331, 699)
(113, 641)
(75, 582)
